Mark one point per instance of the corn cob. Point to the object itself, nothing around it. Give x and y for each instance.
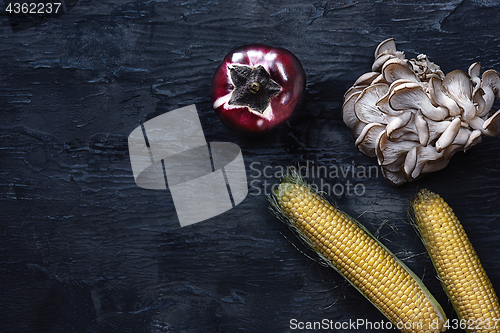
(457, 264)
(351, 250)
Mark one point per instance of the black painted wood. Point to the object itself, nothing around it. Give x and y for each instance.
(83, 249)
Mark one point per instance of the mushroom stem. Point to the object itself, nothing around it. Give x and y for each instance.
(422, 129)
(448, 135)
(397, 123)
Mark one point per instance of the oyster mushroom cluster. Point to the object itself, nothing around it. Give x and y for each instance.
(413, 118)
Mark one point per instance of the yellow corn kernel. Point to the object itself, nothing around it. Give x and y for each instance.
(353, 252)
(457, 264)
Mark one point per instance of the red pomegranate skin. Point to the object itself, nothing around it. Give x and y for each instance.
(284, 69)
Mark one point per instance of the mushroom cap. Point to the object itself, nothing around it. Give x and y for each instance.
(388, 151)
(387, 45)
(397, 69)
(366, 79)
(348, 114)
(384, 52)
(438, 97)
(353, 90)
(393, 172)
(436, 165)
(474, 72)
(491, 78)
(379, 79)
(474, 138)
(436, 129)
(477, 98)
(492, 124)
(383, 102)
(365, 105)
(381, 60)
(367, 139)
(411, 96)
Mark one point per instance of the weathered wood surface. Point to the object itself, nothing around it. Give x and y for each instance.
(83, 249)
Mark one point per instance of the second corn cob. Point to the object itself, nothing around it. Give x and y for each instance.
(350, 249)
(457, 264)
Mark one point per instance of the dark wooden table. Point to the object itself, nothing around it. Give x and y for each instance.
(84, 249)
